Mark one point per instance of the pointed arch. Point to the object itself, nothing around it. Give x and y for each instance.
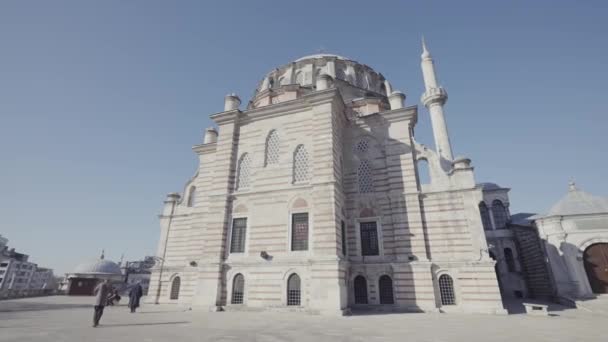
(446, 290)
(272, 149)
(175, 286)
(301, 172)
(499, 212)
(243, 171)
(424, 174)
(192, 196)
(294, 290)
(385, 285)
(485, 216)
(360, 288)
(509, 259)
(365, 177)
(238, 289)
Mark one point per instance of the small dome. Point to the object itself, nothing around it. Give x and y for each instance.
(98, 266)
(578, 202)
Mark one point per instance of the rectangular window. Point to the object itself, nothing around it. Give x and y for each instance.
(369, 238)
(343, 238)
(239, 229)
(299, 232)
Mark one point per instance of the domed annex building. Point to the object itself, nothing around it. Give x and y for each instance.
(310, 198)
(575, 237)
(84, 278)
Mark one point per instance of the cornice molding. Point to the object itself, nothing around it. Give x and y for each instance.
(205, 148)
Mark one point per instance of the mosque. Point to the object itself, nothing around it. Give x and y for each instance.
(310, 198)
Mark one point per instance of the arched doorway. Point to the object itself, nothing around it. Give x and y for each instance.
(596, 265)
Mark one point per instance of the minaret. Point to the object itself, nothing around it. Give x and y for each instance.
(433, 99)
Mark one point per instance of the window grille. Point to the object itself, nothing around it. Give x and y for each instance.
(272, 148)
(192, 196)
(360, 290)
(293, 290)
(300, 165)
(239, 230)
(500, 214)
(446, 289)
(343, 227)
(509, 260)
(175, 288)
(244, 171)
(238, 289)
(386, 290)
(362, 146)
(299, 232)
(365, 176)
(485, 216)
(369, 238)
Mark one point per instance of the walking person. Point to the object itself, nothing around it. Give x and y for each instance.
(134, 296)
(101, 298)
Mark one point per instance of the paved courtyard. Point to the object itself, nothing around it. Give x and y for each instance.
(69, 319)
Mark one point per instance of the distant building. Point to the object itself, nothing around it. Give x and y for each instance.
(15, 274)
(138, 272)
(84, 278)
(42, 282)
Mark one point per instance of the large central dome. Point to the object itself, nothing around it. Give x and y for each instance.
(353, 79)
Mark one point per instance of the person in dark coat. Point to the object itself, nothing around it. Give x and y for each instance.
(101, 298)
(134, 296)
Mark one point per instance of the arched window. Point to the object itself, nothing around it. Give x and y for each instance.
(446, 289)
(192, 196)
(238, 289)
(272, 148)
(485, 216)
(509, 260)
(500, 214)
(365, 176)
(360, 290)
(424, 176)
(300, 165)
(386, 290)
(243, 171)
(293, 290)
(175, 288)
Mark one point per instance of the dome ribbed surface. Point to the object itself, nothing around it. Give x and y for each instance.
(578, 202)
(98, 266)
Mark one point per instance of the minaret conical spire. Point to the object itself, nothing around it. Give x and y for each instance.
(425, 50)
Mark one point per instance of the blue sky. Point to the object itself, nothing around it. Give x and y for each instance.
(101, 101)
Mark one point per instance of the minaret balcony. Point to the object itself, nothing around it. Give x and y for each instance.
(434, 95)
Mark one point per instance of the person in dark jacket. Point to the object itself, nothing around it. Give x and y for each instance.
(101, 298)
(134, 296)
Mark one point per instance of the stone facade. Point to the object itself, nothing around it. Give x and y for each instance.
(310, 199)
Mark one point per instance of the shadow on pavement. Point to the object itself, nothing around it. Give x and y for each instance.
(137, 324)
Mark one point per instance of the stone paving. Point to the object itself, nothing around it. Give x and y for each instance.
(69, 319)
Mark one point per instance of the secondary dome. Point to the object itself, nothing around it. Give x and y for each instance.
(353, 79)
(578, 202)
(98, 266)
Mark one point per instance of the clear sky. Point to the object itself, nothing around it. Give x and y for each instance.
(101, 101)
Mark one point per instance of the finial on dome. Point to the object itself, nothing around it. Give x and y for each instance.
(425, 51)
(572, 185)
(102, 254)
